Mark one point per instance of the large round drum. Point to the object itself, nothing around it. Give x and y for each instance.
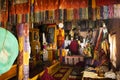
(8, 50)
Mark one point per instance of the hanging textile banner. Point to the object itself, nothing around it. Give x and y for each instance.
(65, 14)
(101, 12)
(13, 19)
(106, 2)
(105, 12)
(94, 14)
(98, 13)
(37, 17)
(4, 12)
(118, 9)
(36, 7)
(22, 8)
(66, 4)
(115, 11)
(110, 11)
(56, 14)
(51, 14)
(80, 13)
(69, 14)
(83, 3)
(61, 14)
(76, 14)
(86, 13)
(27, 18)
(24, 51)
(46, 15)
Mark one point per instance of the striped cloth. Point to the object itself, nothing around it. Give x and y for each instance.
(110, 11)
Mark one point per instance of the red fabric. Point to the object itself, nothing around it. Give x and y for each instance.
(74, 47)
(46, 76)
(106, 2)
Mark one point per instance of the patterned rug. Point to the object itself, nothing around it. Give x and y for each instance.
(62, 73)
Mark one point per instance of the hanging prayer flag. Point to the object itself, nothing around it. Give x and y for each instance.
(110, 11)
(105, 12)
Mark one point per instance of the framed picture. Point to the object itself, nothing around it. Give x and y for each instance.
(34, 35)
(51, 36)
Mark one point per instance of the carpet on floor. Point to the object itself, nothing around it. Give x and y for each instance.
(62, 73)
(76, 73)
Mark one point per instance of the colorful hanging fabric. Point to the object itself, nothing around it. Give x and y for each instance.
(86, 13)
(110, 11)
(37, 17)
(24, 51)
(83, 13)
(42, 15)
(19, 18)
(115, 11)
(36, 7)
(31, 17)
(65, 14)
(118, 10)
(76, 14)
(51, 15)
(101, 12)
(46, 15)
(94, 14)
(105, 12)
(20, 57)
(98, 12)
(27, 18)
(14, 19)
(31, 11)
(69, 14)
(23, 18)
(80, 13)
(61, 14)
(56, 14)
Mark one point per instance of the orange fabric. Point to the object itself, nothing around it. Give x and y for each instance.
(93, 4)
(20, 8)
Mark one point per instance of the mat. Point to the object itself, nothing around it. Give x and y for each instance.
(62, 73)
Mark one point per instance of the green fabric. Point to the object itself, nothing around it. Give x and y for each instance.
(8, 50)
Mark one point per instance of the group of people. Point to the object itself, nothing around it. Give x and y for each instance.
(93, 57)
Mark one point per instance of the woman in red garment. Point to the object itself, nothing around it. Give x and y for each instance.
(74, 47)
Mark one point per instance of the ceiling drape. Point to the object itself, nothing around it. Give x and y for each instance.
(106, 2)
(59, 4)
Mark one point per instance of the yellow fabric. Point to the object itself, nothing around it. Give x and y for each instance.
(93, 3)
(25, 58)
(21, 45)
(63, 52)
(105, 46)
(32, 1)
(98, 13)
(58, 52)
(20, 72)
(19, 18)
(96, 55)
